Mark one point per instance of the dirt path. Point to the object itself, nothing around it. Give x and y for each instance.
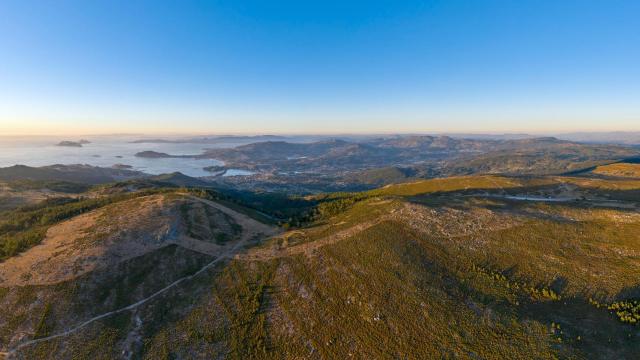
(251, 229)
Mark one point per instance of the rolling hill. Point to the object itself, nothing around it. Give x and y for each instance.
(470, 267)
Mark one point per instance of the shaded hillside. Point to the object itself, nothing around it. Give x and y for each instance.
(381, 176)
(84, 174)
(179, 179)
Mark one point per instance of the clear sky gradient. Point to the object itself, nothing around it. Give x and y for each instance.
(326, 66)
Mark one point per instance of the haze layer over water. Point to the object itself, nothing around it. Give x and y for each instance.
(105, 151)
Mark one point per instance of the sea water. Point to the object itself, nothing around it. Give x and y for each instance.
(106, 151)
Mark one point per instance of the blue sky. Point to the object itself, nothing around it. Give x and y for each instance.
(318, 66)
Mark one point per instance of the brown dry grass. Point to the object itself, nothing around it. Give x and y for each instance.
(619, 170)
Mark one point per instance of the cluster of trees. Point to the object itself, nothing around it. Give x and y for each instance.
(332, 207)
(536, 293)
(628, 311)
(285, 210)
(323, 207)
(277, 205)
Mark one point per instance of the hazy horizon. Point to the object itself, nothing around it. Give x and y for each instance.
(195, 134)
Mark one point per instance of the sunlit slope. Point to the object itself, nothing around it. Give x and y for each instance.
(619, 170)
(449, 184)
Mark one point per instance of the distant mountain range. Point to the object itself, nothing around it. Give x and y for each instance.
(211, 140)
(612, 137)
(442, 152)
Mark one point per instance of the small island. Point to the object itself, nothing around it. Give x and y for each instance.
(153, 155)
(214, 169)
(74, 143)
(70, 143)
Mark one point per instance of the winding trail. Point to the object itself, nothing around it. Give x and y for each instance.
(251, 229)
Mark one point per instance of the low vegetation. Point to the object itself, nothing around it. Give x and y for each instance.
(441, 268)
(55, 186)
